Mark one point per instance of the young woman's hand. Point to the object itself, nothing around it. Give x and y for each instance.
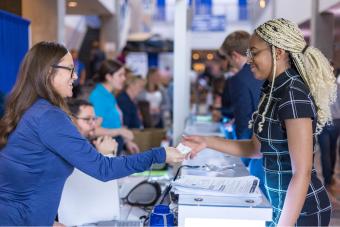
(196, 143)
(132, 147)
(173, 155)
(106, 145)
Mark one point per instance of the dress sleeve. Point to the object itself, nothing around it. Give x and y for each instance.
(60, 136)
(296, 103)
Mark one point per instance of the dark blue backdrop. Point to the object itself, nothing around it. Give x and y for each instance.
(14, 35)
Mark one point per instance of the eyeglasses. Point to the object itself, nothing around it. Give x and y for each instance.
(64, 67)
(251, 54)
(88, 120)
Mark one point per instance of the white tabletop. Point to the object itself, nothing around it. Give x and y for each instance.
(198, 210)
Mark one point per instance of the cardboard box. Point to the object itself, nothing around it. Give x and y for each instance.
(148, 138)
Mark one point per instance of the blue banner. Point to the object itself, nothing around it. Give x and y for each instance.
(243, 10)
(202, 7)
(14, 36)
(203, 23)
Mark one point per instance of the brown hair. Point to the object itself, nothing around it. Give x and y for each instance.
(236, 41)
(75, 104)
(107, 67)
(149, 85)
(34, 81)
(133, 80)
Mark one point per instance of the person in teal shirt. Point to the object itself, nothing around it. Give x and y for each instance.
(110, 78)
(105, 106)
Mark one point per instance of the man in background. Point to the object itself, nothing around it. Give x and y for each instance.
(84, 118)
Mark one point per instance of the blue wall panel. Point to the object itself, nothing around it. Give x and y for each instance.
(14, 35)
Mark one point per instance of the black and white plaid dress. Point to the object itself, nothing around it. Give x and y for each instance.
(290, 99)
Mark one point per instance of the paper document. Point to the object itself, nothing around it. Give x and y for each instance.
(218, 186)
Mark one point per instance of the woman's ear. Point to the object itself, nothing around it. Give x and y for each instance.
(280, 53)
(234, 55)
(108, 77)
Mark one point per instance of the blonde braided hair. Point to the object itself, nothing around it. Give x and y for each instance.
(312, 65)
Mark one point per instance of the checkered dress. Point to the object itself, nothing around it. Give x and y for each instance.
(290, 99)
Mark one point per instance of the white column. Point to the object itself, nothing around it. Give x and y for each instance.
(273, 5)
(313, 22)
(323, 30)
(136, 7)
(109, 34)
(181, 70)
(61, 12)
(47, 19)
(109, 31)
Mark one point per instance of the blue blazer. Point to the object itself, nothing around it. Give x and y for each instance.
(244, 91)
(39, 156)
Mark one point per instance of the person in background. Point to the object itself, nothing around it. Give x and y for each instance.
(211, 72)
(110, 78)
(166, 82)
(155, 94)
(226, 106)
(328, 148)
(206, 81)
(170, 94)
(216, 108)
(80, 71)
(127, 101)
(86, 121)
(294, 107)
(97, 56)
(244, 92)
(122, 56)
(40, 145)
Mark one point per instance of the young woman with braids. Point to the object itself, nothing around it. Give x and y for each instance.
(295, 104)
(40, 146)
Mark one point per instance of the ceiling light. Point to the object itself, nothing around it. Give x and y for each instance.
(72, 4)
(196, 56)
(210, 56)
(262, 3)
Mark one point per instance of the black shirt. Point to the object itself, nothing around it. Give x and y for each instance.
(130, 111)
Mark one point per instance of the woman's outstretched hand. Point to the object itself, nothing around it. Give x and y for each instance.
(173, 155)
(196, 143)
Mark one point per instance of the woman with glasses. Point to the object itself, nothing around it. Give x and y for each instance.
(110, 79)
(40, 146)
(294, 107)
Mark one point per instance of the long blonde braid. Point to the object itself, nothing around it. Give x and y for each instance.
(312, 65)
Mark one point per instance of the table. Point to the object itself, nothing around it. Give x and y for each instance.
(195, 210)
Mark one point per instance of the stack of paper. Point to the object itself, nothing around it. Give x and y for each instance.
(217, 186)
